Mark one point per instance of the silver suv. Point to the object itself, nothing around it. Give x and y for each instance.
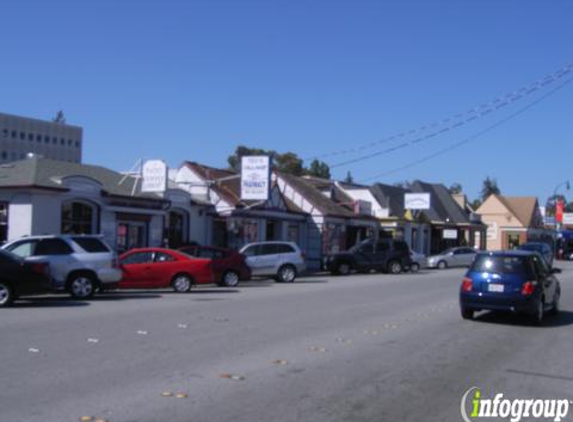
(280, 260)
(79, 264)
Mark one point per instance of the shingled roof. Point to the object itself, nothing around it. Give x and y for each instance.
(523, 207)
(443, 207)
(44, 173)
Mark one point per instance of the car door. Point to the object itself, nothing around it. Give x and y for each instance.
(466, 257)
(252, 254)
(163, 268)
(268, 259)
(136, 267)
(53, 250)
(380, 256)
(548, 280)
(364, 256)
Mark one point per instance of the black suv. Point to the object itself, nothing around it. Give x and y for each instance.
(387, 255)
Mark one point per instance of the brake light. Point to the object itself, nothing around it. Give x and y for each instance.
(467, 284)
(528, 288)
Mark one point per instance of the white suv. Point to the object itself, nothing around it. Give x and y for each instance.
(79, 264)
(281, 260)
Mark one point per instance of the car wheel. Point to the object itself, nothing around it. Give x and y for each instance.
(537, 317)
(344, 268)
(415, 267)
(6, 295)
(82, 286)
(442, 265)
(230, 279)
(286, 274)
(467, 313)
(394, 267)
(181, 283)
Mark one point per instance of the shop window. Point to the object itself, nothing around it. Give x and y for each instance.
(79, 218)
(3, 222)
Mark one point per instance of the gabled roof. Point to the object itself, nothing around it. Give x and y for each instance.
(523, 207)
(390, 197)
(443, 207)
(45, 173)
(313, 194)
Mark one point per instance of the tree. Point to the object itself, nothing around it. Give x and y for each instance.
(455, 188)
(475, 204)
(348, 178)
(319, 169)
(289, 162)
(235, 159)
(489, 187)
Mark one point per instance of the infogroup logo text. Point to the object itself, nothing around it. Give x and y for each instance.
(474, 407)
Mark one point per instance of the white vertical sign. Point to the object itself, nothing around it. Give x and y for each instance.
(154, 175)
(255, 178)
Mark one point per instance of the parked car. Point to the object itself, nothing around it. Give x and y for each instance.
(418, 261)
(387, 255)
(453, 257)
(79, 264)
(543, 248)
(21, 278)
(516, 281)
(283, 261)
(155, 268)
(229, 267)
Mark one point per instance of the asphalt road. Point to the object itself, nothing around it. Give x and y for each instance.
(358, 348)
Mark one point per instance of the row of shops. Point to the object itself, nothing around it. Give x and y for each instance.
(203, 205)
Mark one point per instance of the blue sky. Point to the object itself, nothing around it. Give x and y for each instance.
(191, 80)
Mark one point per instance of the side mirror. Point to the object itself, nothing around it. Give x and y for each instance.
(556, 271)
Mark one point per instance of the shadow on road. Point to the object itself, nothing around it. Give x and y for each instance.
(48, 302)
(562, 319)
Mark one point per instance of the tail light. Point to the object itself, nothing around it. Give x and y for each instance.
(42, 268)
(467, 284)
(528, 288)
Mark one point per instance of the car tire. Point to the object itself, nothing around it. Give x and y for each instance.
(230, 279)
(467, 313)
(537, 317)
(442, 265)
(343, 268)
(6, 295)
(394, 267)
(415, 267)
(182, 283)
(82, 286)
(286, 274)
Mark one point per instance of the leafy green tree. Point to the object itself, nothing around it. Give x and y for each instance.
(319, 169)
(348, 178)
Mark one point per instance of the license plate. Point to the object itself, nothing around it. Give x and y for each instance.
(498, 288)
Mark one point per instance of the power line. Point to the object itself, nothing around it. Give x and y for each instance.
(453, 121)
(472, 137)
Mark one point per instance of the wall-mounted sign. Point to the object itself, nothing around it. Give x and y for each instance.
(568, 218)
(559, 210)
(450, 234)
(255, 178)
(154, 176)
(417, 201)
(362, 207)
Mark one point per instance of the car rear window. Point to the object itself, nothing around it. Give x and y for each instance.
(91, 245)
(502, 265)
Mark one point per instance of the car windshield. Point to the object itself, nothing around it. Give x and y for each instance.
(447, 251)
(500, 264)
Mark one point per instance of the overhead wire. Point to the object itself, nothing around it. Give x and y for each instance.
(472, 137)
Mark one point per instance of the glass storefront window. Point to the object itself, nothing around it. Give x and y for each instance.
(78, 218)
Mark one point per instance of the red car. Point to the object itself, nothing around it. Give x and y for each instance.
(152, 268)
(229, 267)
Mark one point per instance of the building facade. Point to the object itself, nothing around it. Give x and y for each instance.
(40, 196)
(20, 136)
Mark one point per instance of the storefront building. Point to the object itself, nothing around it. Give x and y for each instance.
(40, 196)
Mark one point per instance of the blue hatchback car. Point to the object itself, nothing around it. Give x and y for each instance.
(515, 281)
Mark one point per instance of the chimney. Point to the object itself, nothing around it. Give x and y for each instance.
(461, 199)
